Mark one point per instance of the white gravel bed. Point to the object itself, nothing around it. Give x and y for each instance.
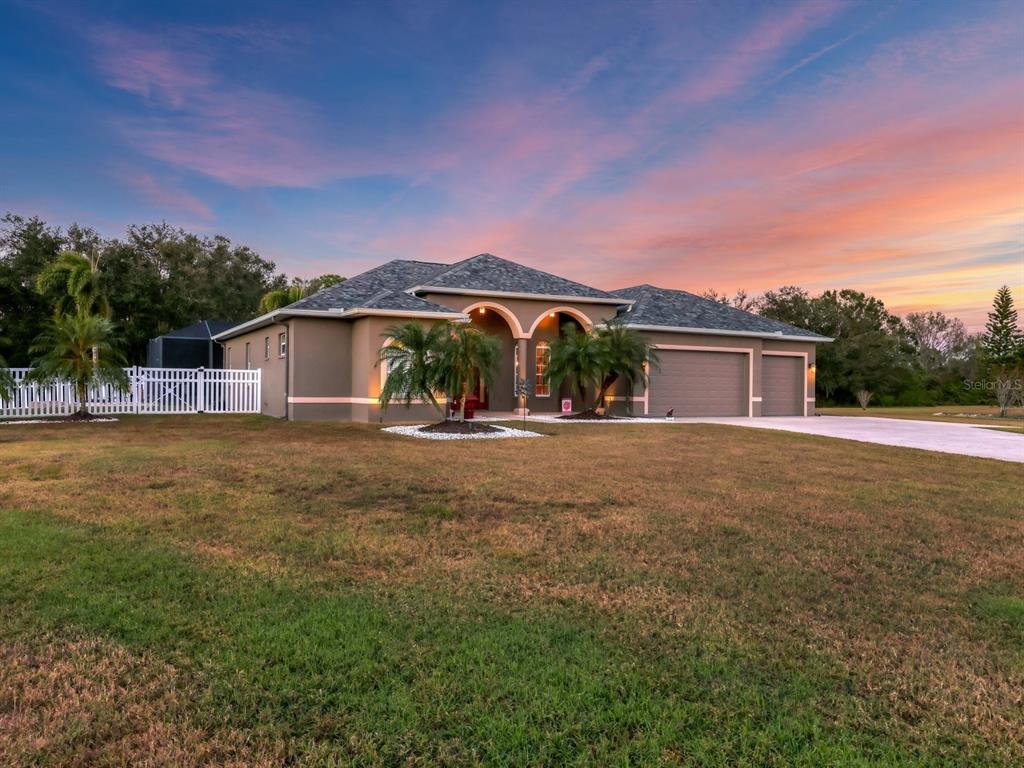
(615, 420)
(414, 431)
(50, 421)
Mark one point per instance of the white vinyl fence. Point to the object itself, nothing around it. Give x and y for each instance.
(152, 390)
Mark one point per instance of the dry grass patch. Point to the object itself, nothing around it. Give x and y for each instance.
(93, 703)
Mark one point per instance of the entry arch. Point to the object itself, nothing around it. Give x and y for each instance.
(506, 314)
(585, 321)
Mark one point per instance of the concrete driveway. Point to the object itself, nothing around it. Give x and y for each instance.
(965, 439)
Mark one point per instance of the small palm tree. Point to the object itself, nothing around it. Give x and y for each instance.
(411, 361)
(576, 354)
(466, 355)
(625, 354)
(65, 353)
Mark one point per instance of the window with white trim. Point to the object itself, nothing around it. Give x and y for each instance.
(248, 356)
(542, 387)
(266, 347)
(282, 344)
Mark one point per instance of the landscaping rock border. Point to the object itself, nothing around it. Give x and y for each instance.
(415, 430)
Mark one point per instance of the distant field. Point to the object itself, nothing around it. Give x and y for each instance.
(231, 590)
(972, 414)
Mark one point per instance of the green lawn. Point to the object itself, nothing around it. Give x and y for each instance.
(206, 591)
(983, 415)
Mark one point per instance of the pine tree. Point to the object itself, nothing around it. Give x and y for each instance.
(1002, 336)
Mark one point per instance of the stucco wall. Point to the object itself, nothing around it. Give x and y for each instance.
(273, 370)
(335, 373)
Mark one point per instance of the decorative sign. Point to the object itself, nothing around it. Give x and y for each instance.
(567, 405)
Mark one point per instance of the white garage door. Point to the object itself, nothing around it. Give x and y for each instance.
(782, 390)
(700, 384)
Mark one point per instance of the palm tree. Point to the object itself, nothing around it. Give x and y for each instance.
(625, 354)
(579, 355)
(466, 355)
(282, 297)
(77, 278)
(411, 361)
(299, 289)
(65, 352)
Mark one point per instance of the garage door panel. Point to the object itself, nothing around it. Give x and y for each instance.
(782, 385)
(697, 383)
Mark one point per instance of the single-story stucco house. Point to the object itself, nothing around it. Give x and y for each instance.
(319, 356)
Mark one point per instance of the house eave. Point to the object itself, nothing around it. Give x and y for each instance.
(333, 314)
(413, 314)
(617, 301)
(269, 319)
(720, 332)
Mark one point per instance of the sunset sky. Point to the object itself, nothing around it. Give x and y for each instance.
(877, 146)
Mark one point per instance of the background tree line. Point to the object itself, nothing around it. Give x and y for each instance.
(925, 358)
(153, 280)
(158, 278)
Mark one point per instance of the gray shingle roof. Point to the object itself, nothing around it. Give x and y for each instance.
(204, 329)
(486, 272)
(387, 286)
(382, 287)
(678, 309)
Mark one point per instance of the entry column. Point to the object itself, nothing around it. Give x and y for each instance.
(521, 371)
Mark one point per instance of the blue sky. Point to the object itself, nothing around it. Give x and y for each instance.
(695, 145)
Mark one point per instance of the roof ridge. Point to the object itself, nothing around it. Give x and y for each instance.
(421, 261)
(452, 268)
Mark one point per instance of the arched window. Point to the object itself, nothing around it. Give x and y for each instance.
(542, 387)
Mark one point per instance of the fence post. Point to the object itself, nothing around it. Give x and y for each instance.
(201, 390)
(136, 389)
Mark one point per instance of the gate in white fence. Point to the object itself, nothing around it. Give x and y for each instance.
(151, 390)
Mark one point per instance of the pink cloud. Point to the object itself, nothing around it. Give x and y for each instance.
(141, 65)
(755, 51)
(165, 195)
(245, 137)
(862, 178)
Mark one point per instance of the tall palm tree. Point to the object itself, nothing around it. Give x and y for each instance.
(411, 360)
(77, 278)
(65, 353)
(467, 355)
(625, 354)
(576, 354)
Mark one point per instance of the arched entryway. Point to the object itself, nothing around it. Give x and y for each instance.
(547, 327)
(501, 323)
(523, 355)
